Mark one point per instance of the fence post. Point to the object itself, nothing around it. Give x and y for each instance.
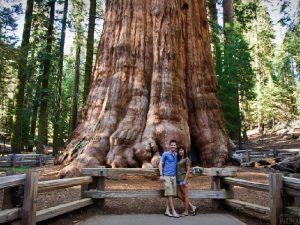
(100, 186)
(13, 160)
(248, 155)
(215, 186)
(275, 197)
(30, 199)
(275, 153)
(229, 189)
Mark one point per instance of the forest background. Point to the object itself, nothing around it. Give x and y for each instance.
(48, 51)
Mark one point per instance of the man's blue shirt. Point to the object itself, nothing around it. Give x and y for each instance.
(169, 160)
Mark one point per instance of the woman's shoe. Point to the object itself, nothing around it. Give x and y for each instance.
(195, 211)
(183, 214)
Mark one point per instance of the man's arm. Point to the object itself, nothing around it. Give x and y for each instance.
(160, 167)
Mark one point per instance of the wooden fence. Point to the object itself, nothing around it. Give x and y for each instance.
(254, 155)
(93, 191)
(25, 160)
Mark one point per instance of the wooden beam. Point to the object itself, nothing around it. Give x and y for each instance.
(12, 181)
(119, 171)
(124, 194)
(216, 186)
(247, 184)
(229, 171)
(153, 194)
(291, 192)
(207, 194)
(275, 197)
(291, 182)
(240, 205)
(214, 171)
(10, 214)
(30, 199)
(51, 185)
(295, 211)
(61, 209)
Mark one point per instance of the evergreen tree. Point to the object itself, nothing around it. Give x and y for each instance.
(89, 49)
(57, 108)
(43, 115)
(78, 19)
(261, 37)
(17, 133)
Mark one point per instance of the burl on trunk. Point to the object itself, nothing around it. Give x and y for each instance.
(154, 81)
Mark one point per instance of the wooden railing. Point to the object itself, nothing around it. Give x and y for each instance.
(284, 193)
(254, 155)
(26, 160)
(93, 191)
(28, 213)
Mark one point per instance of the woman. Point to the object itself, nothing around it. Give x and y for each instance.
(183, 171)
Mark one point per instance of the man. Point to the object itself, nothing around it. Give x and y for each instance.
(167, 170)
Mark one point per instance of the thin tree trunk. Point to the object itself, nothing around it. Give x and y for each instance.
(154, 81)
(76, 90)
(213, 16)
(34, 113)
(43, 115)
(89, 50)
(57, 110)
(16, 137)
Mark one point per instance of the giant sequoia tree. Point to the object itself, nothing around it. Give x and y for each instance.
(154, 81)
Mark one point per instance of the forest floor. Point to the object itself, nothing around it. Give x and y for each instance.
(157, 205)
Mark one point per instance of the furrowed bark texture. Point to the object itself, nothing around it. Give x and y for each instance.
(154, 81)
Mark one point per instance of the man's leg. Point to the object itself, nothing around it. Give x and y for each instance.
(171, 205)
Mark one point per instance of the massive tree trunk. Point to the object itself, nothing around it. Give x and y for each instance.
(154, 81)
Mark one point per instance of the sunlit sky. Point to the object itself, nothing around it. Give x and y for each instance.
(272, 6)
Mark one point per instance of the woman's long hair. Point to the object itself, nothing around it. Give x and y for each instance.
(184, 154)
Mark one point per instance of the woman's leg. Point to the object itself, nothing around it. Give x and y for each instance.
(179, 193)
(185, 191)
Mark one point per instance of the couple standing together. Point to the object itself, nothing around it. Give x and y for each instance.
(174, 169)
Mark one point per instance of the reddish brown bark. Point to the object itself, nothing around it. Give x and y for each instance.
(154, 81)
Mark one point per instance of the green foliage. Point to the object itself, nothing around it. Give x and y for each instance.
(234, 67)
(237, 78)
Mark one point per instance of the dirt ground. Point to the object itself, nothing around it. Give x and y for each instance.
(135, 205)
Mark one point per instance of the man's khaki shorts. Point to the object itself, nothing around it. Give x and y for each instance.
(170, 186)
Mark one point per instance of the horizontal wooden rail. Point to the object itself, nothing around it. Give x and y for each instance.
(207, 194)
(295, 211)
(154, 172)
(240, 205)
(61, 209)
(152, 194)
(44, 214)
(12, 181)
(124, 194)
(246, 184)
(51, 185)
(119, 171)
(291, 192)
(10, 214)
(290, 182)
